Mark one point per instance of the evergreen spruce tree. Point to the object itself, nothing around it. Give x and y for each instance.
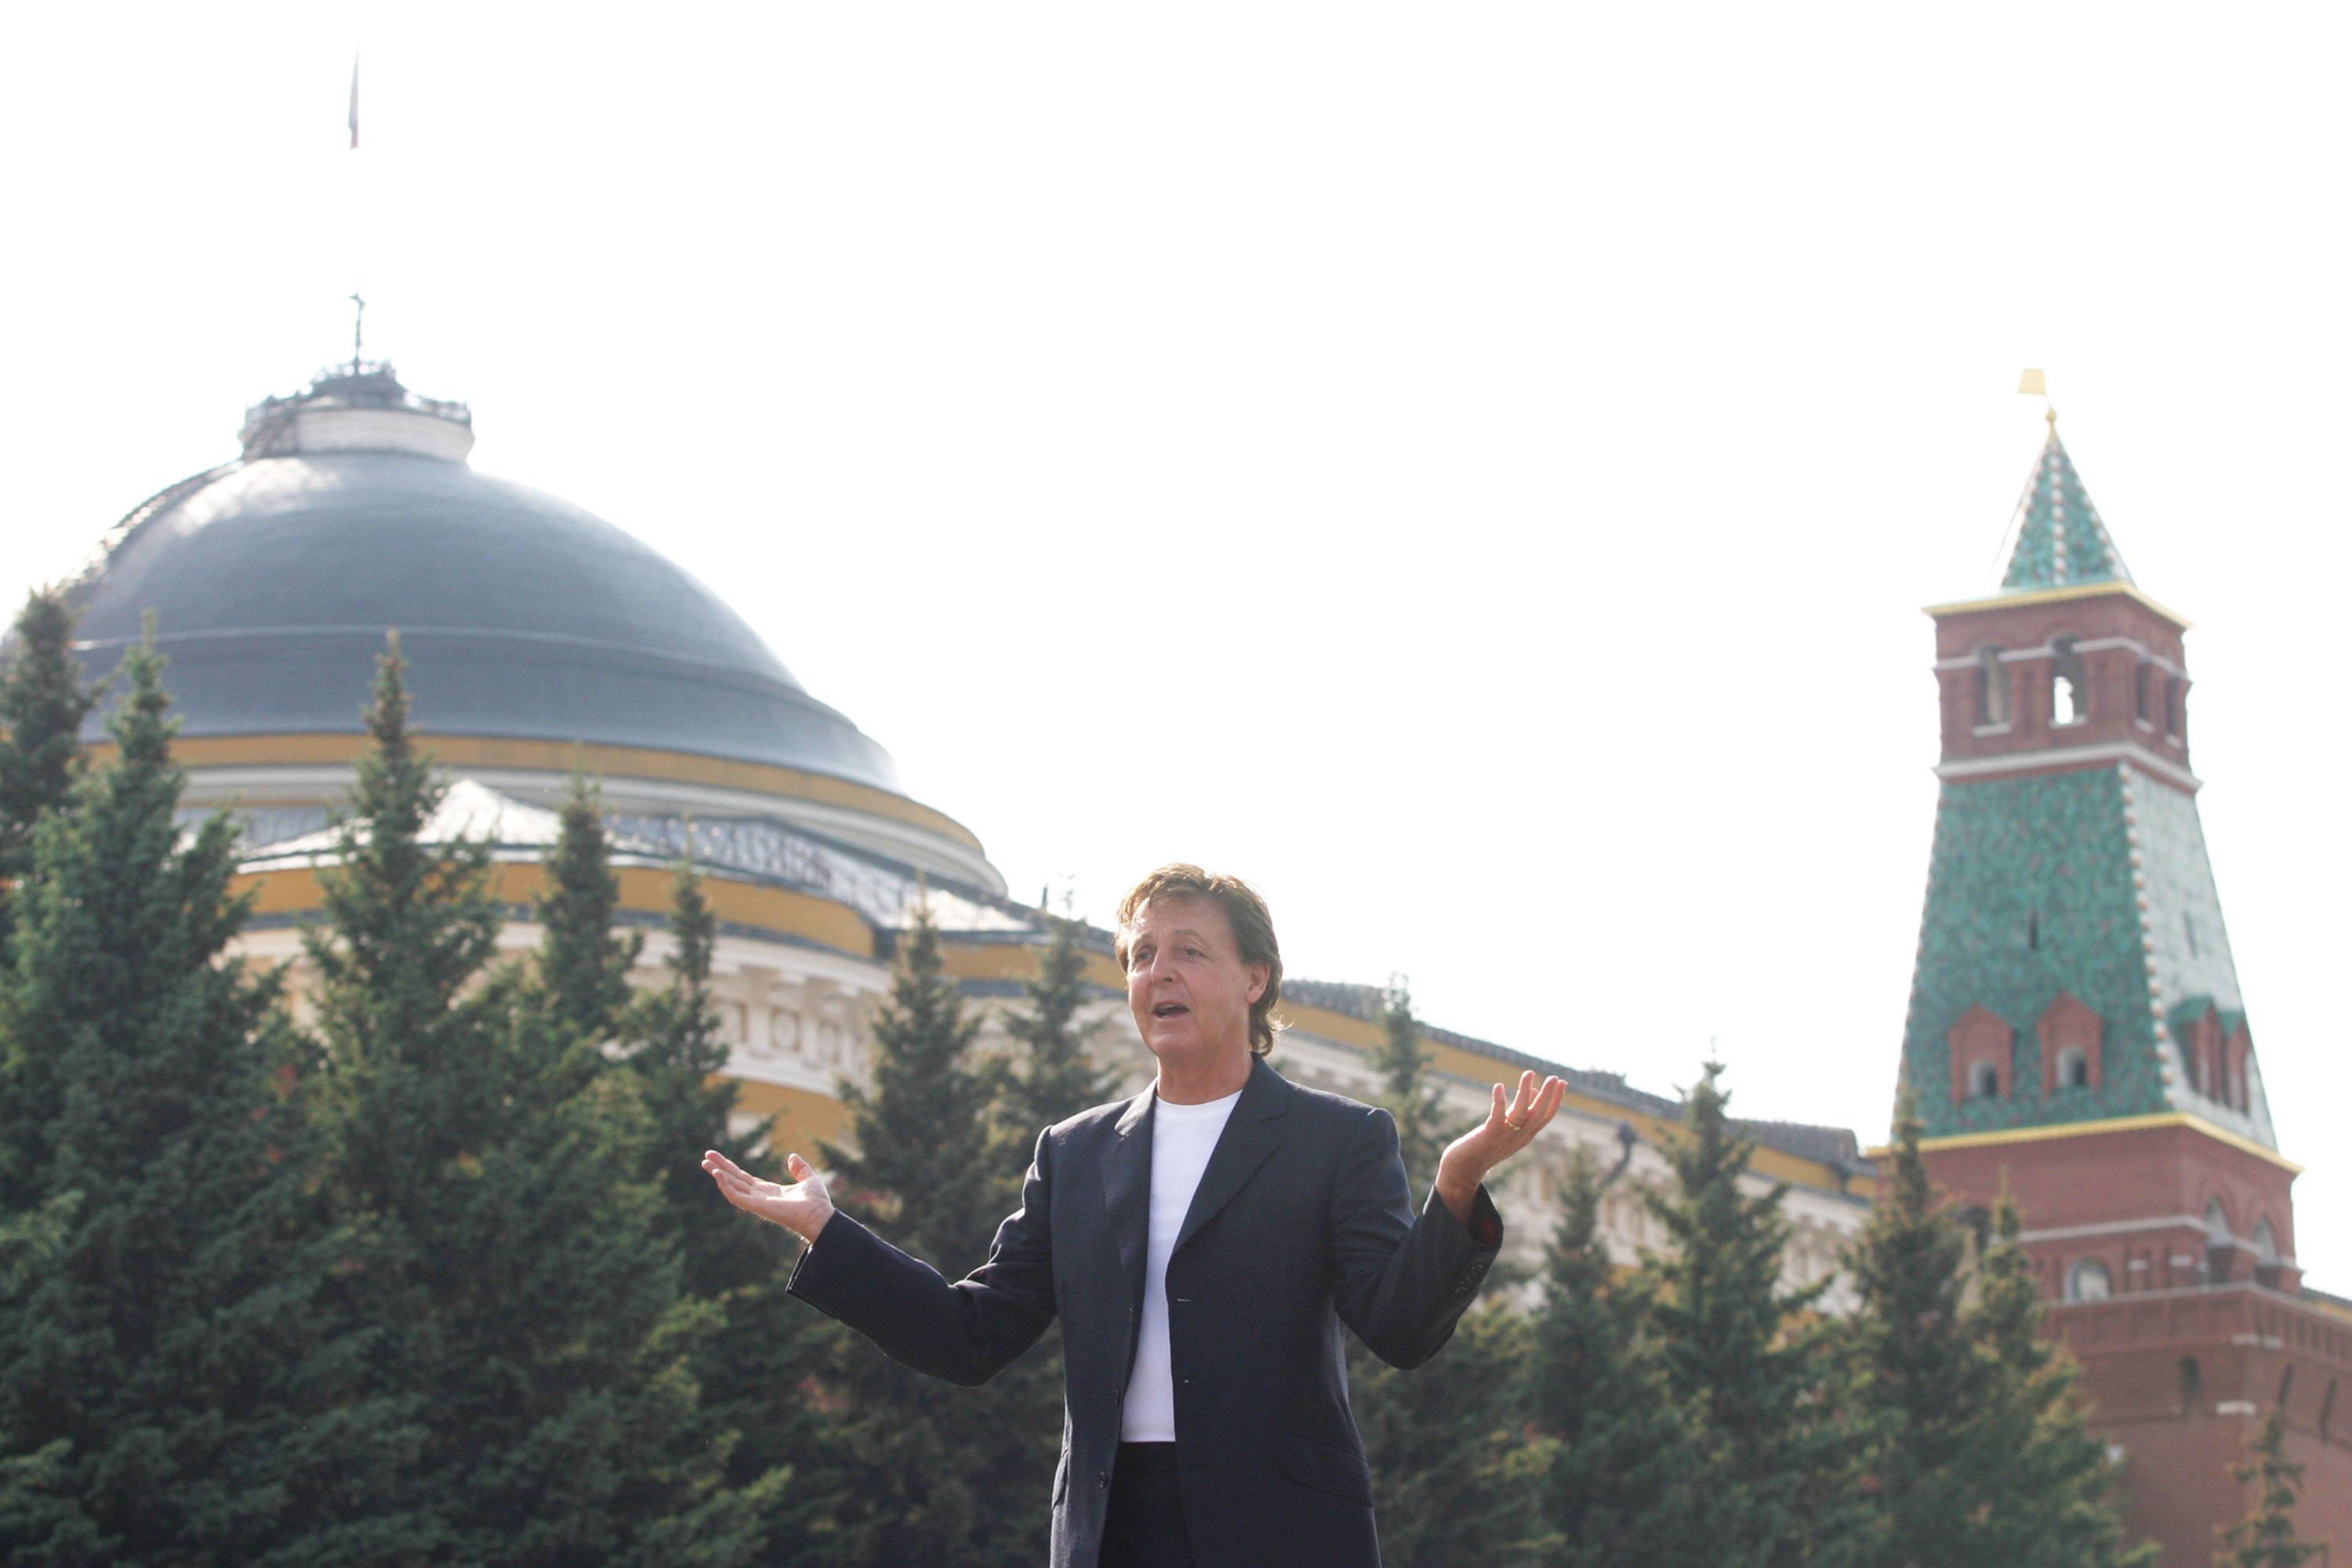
(1979, 1454)
(583, 968)
(2266, 1537)
(43, 701)
(1918, 1373)
(672, 1046)
(1418, 1105)
(1051, 1075)
(955, 1477)
(2044, 1493)
(1048, 1077)
(767, 1346)
(1630, 1476)
(1448, 1445)
(516, 1282)
(1453, 1462)
(170, 1388)
(920, 1171)
(1748, 1359)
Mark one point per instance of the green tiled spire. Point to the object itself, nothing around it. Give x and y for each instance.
(2094, 883)
(2060, 540)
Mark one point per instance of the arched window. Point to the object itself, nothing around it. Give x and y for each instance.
(2237, 1054)
(2221, 1243)
(2176, 708)
(2070, 1036)
(2148, 689)
(1983, 1052)
(1992, 689)
(2193, 1385)
(2070, 684)
(2089, 1280)
(2268, 1263)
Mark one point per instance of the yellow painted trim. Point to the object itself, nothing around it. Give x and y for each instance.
(803, 1116)
(295, 890)
(561, 757)
(2116, 1124)
(2056, 596)
(1776, 1164)
(1018, 960)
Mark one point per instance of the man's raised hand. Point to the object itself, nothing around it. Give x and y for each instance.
(802, 1208)
(1510, 1126)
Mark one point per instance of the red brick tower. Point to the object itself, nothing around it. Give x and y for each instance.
(2075, 1030)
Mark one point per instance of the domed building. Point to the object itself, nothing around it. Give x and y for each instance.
(540, 640)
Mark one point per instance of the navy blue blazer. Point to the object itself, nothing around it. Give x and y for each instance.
(1302, 1222)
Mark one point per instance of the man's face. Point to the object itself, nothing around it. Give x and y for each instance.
(1186, 983)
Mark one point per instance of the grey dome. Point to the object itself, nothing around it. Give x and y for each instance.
(273, 581)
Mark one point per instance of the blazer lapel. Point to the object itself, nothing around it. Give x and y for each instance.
(1252, 1132)
(1127, 1193)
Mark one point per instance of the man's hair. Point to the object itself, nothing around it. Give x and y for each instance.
(1244, 911)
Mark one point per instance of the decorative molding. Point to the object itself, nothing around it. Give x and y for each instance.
(2130, 752)
(2112, 1124)
(2117, 1227)
(492, 752)
(2056, 595)
(2044, 650)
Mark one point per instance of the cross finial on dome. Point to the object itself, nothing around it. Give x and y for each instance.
(359, 319)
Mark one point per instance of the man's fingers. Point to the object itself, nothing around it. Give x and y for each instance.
(1541, 1107)
(1525, 1100)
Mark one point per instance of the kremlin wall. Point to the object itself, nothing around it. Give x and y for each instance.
(2075, 1028)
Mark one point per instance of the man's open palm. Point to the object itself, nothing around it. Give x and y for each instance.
(802, 1208)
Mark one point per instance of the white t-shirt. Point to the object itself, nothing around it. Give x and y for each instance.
(1181, 1139)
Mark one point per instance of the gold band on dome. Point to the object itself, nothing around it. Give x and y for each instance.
(561, 757)
(295, 891)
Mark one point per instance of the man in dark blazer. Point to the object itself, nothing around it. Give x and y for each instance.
(1203, 1244)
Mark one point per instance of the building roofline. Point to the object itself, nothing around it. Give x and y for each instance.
(2017, 598)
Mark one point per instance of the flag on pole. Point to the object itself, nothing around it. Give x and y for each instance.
(2029, 384)
(355, 100)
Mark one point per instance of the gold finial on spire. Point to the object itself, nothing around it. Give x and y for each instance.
(2034, 383)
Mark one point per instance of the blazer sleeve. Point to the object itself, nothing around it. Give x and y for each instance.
(966, 1333)
(1402, 1282)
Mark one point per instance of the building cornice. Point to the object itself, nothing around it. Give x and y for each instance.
(2054, 596)
(2130, 752)
(2114, 1124)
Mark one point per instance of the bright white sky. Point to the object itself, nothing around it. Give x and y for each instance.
(1474, 470)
